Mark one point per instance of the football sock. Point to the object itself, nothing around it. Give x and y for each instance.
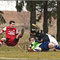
(36, 50)
(57, 47)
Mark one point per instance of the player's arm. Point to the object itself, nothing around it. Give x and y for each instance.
(32, 45)
(3, 30)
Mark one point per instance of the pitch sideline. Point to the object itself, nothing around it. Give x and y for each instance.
(5, 58)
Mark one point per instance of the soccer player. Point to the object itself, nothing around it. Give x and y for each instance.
(48, 38)
(45, 46)
(33, 45)
(12, 35)
(44, 36)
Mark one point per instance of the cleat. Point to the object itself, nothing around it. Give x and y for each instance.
(21, 34)
(22, 31)
(30, 50)
(54, 49)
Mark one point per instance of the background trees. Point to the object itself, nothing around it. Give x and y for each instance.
(31, 6)
(45, 22)
(58, 20)
(48, 8)
(2, 20)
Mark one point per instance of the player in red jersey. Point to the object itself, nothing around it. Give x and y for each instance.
(12, 36)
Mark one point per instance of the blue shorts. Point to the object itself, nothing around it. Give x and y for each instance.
(44, 46)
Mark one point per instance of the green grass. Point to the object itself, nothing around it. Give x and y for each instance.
(15, 52)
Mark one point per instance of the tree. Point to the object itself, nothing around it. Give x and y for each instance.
(49, 8)
(45, 22)
(58, 20)
(19, 6)
(31, 6)
(52, 10)
(2, 20)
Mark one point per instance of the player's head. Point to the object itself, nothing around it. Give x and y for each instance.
(31, 40)
(12, 24)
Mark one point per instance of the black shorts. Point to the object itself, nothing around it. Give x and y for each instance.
(7, 39)
(9, 42)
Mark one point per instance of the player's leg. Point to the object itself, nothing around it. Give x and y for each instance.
(38, 49)
(30, 50)
(2, 40)
(51, 45)
(46, 46)
(43, 47)
(16, 40)
(21, 34)
(57, 47)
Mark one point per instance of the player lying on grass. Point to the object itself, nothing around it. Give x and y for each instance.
(12, 35)
(43, 37)
(37, 46)
(51, 39)
(48, 38)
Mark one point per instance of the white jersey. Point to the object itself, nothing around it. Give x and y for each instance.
(52, 39)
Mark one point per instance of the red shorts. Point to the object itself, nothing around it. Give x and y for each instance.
(10, 42)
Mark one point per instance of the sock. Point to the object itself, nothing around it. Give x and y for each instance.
(57, 47)
(36, 50)
(20, 35)
(1, 42)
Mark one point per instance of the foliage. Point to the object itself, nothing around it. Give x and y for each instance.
(19, 6)
(52, 10)
(58, 20)
(2, 20)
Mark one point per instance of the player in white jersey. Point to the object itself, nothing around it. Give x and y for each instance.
(52, 39)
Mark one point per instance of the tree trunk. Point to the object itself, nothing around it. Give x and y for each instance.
(32, 15)
(58, 21)
(45, 22)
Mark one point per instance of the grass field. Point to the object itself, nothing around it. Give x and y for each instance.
(14, 52)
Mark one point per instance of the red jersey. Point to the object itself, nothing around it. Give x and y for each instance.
(10, 33)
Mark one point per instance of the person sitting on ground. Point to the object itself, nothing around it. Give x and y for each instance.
(12, 35)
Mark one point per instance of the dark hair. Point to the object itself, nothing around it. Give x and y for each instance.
(30, 38)
(11, 22)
